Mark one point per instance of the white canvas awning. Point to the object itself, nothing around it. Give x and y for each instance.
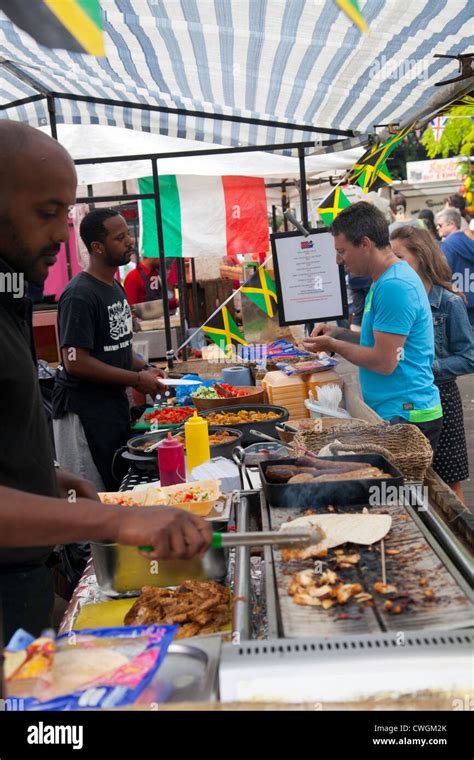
(286, 62)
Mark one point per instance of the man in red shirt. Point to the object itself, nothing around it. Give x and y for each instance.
(144, 282)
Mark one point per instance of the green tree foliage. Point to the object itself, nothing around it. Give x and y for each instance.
(457, 138)
(410, 149)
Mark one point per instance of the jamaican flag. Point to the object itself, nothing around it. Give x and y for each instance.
(371, 169)
(332, 205)
(67, 24)
(222, 329)
(261, 290)
(351, 9)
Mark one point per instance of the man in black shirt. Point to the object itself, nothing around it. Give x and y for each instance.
(90, 405)
(37, 187)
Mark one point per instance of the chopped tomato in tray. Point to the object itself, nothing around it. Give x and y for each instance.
(169, 416)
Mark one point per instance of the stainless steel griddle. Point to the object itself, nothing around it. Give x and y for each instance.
(420, 557)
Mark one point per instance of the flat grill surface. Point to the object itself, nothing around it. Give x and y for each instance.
(448, 608)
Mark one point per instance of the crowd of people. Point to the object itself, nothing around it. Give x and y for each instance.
(413, 333)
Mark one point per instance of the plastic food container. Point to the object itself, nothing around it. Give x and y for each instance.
(200, 508)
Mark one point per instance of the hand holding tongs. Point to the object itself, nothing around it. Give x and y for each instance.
(294, 538)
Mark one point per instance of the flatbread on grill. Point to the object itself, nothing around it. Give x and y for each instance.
(337, 529)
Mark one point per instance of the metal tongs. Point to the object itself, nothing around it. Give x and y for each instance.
(238, 455)
(292, 538)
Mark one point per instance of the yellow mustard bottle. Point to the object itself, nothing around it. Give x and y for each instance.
(196, 434)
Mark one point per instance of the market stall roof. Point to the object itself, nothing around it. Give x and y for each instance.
(298, 62)
(85, 141)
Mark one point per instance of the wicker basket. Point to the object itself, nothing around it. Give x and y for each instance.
(319, 425)
(404, 445)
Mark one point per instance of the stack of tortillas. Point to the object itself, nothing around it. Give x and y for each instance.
(74, 668)
(338, 529)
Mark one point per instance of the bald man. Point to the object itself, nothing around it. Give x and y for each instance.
(40, 505)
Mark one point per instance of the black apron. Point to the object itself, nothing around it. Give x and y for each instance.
(106, 423)
(151, 294)
(105, 435)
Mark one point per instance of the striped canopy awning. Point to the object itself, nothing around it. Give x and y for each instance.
(289, 63)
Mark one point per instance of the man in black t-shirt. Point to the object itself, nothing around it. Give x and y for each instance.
(40, 505)
(90, 405)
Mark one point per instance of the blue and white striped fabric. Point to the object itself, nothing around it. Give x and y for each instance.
(290, 61)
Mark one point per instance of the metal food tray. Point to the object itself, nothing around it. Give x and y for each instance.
(265, 426)
(141, 423)
(122, 571)
(187, 674)
(339, 493)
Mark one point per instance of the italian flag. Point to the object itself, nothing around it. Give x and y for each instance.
(205, 216)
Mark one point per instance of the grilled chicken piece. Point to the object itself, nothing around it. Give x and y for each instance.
(194, 605)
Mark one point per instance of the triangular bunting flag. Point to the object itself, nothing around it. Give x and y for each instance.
(383, 177)
(372, 165)
(438, 125)
(223, 330)
(66, 24)
(332, 205)
(351, 9)
(261, 290)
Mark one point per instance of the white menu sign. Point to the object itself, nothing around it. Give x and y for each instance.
(310, 284)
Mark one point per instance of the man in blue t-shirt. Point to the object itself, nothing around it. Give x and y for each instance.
(396, 350)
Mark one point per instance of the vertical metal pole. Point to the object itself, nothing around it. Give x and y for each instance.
(303, 193)
(195, 294)
(182, 303)
(68, 260)
(90, 192)
(274, 219)
(284, 205)
(52, 116)
(161, 251)
(54, 135)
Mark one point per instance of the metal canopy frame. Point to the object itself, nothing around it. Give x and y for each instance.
(154, 157)
(51, 96)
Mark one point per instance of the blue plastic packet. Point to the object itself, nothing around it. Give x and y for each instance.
(21, 639)
(131, 656)
(185, 391)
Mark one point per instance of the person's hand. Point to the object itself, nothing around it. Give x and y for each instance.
(321, 329)
(321, 343)
(320, 339)
(147, 383)
(72, 485)
(172, 532)
(158, 373)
